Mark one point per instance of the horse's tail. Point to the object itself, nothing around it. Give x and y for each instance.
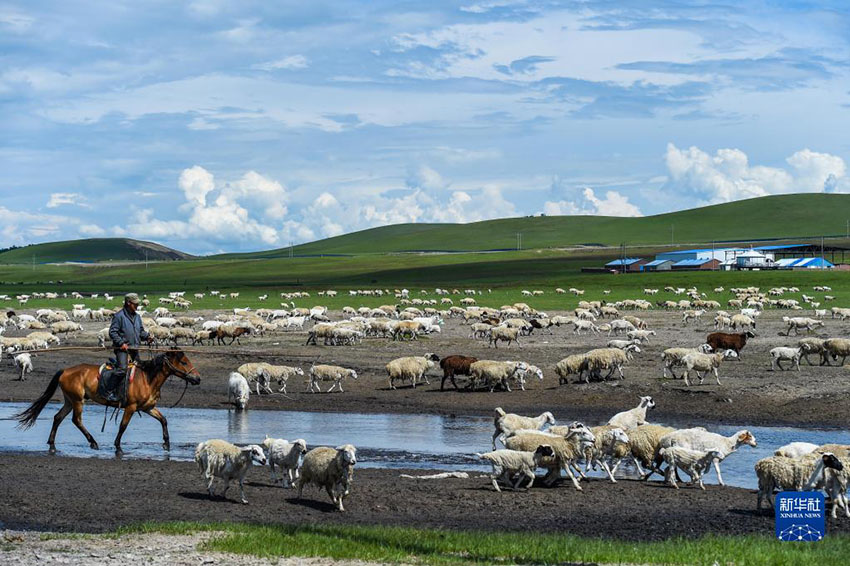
(28, 416)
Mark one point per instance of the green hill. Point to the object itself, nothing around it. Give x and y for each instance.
(773, 217)
(92, 250)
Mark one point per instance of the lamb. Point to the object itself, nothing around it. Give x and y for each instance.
(411, 368)
(238, 391)
(784, 353)
(790, 474)
(568, 450)
(834, 347)
(285, 454)
(324, 372)
(23, 362)
(693, 462)
(642, 335)
(492, 373)
(633, 418)
(506, 463)
(705, 363)
(795, 449)
(221, 459)
(724, 341)
(331, 468)
(504, 334)
(644, 445)
(506, 423)
(455, 365)
(573, 364)
(812, 346)
(700, 439)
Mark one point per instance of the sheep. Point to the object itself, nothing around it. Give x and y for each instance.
(232, 332)
(23, 362)
(784, 353)
(506, 423)
(410, 328)
(607, 358)
(834, 347)
(620, 324)
(722, 321)
(643, 444)
(633, 417)
(48, 337)
(611, 442)
(221, 459)
(810, 345)
(324, 372)
(504, 334)
(698, 362)
(690, 315)
(238, 391)
(795, 449)
(642, 335)
(509, 462)
(622, 344)
(673, 357)
(568, 450)
(64, 327)
(573, 364)
(492, 373)
(285, 454)
(453, 366)
(790, 474)
(798, 322)
(700, 439)
(585, 325)
(695, 463)
(264, 373)
(331, 468)
(725, 341)
(411, 368)
(741, 321)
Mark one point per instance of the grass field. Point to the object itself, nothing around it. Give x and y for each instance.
(91, 250)
(438, 547)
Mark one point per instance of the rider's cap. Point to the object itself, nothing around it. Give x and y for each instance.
(131, 298)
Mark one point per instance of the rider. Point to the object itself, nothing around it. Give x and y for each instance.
(126, 332)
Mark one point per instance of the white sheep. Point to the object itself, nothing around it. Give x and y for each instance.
(620, 325)
(642, 335)
(674, 357)
(700, 439)
(698, 362)
(795, 449)
(238, 390)
(285, 454)
(784, 353)
(695, 463)
(568, 450)
(505, 423)
(504, 334)
(23, 362)
(834, 347)
(607, 358)
(264, 373)
(790, 474)
(492, 373)
(411, 368)
(221, 459)
(611, 443)
(331, 468)
(323, 372)
(798, 322)
(643, 444)
(506, 463)
(633, 417)
(573, 364)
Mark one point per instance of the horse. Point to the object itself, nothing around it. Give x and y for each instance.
(80, 382)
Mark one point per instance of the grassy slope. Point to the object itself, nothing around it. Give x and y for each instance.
(92, 250)
(782, 216)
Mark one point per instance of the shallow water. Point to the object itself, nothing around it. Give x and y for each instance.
(382, 440)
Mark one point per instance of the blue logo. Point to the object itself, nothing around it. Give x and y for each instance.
(800, 516)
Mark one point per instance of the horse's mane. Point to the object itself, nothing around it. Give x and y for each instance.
(153, 366)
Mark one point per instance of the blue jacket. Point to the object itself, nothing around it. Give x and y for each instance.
(127, 328)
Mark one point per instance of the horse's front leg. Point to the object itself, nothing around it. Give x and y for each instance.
(166, 444)
(129, 411)
(77, 419)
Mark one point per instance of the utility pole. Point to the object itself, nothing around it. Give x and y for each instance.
(519, 241)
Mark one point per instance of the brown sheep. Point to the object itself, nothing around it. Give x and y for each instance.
(720, 341)
(455, 365)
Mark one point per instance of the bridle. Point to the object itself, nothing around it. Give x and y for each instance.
(179, 372)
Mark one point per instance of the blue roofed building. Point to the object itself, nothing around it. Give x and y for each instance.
(627, 264)
(804, 263)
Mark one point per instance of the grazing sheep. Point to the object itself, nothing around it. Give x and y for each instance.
(453, 366)
(221, 459)
(506, 423)
(506, 463)
(285, 454)
(568, 450)
(238, 391)
(700, 439)
(632, 418)
(705, 363)
(331, 468)
(644, 445)
(324, 372)
(790, 474)
(695, 463)
(720, 341)
(784, 353)
(23, 362)
(411, 368)
(795, 449)
(622, 344)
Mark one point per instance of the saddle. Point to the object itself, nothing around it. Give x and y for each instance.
(113, 383)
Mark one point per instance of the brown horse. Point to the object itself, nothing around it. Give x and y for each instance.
(80, 383)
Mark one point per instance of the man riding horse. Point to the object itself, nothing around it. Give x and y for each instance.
(126, 332)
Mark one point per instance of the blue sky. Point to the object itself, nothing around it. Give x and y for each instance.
(223, 126)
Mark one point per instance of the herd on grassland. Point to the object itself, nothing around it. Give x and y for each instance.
(527, 446)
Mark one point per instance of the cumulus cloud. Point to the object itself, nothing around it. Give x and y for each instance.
(62, 199)
(614, 204)
(728, 175)
(426, 178)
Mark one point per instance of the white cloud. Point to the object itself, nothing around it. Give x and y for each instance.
(614, 204)
(196, 182)
(14, 21)
(426, 178)
(728, 175)
(91, 230)
(62, 199)
(287, 63)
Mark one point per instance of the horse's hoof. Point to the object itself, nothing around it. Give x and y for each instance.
(94, 446)
(166, 446)
(51, 449)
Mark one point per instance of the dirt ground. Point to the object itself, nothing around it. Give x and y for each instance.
(48, 493)
(750, 394)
